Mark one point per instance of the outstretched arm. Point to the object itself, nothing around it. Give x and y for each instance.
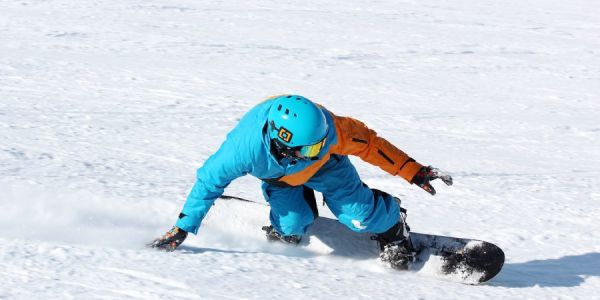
(235, 158)
(355, 138)
(212, 178)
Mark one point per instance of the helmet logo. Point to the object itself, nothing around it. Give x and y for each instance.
(284, 134)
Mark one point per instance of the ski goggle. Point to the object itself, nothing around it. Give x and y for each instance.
(308, 151)
(312, 150)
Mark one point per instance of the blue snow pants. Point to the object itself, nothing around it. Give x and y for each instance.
(353, 203)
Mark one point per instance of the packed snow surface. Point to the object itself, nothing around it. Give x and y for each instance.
(107, 108)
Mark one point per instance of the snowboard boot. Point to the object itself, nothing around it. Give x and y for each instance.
(395, 245)
(274, 236)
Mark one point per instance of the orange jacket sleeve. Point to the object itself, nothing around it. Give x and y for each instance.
(355, 138)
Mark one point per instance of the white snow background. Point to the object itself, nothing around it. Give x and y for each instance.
(108, 107)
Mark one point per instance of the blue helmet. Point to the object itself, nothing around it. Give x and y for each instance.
(297, 126)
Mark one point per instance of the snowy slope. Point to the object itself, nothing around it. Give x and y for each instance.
(108, 107)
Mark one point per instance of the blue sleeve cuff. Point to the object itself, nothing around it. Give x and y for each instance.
(188, 223)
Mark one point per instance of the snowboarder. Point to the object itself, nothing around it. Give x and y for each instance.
(297, 147)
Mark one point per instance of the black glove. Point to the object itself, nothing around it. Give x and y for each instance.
(427, 174)
(171, 240)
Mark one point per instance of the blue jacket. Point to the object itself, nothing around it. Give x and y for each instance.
(246, 150)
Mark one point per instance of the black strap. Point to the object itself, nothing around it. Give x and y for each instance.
(311, 200)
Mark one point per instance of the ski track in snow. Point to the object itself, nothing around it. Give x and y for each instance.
(108, 107)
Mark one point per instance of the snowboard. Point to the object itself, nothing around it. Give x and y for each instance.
(463, 260)
(466, 260)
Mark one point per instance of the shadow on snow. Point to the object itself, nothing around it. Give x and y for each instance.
(567, 271)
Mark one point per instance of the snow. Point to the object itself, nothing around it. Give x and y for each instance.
(108, 107)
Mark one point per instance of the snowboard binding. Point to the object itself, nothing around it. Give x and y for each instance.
(398, 254)
(274, 236)
(395, 246)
